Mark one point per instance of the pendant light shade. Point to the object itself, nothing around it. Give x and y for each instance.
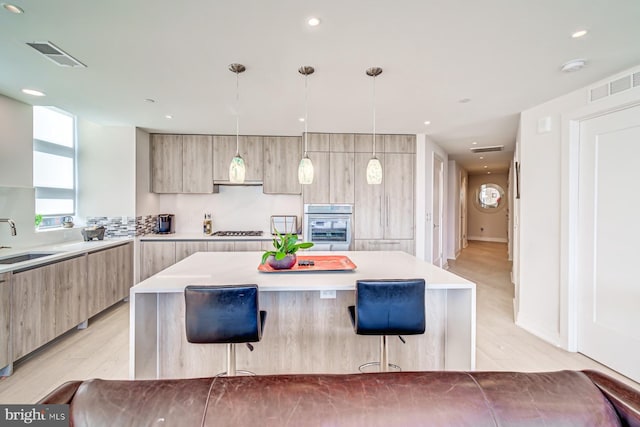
(237, 169)
(305, 168)
(374, 167)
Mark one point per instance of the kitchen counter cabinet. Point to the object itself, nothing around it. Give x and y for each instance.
(407, 246)
(304, 333)
(226, 246)
(166, 163)
(282, 155)
(238, 246)
(156, 256)
(184, 249)
(197, 164)
(46, 302)
(224, 149)
(110, 275)
(5, 320)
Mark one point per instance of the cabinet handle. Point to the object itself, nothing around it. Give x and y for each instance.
(2, 281)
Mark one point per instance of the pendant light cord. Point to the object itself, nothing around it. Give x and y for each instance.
(237, 116)
(306, 113)
(374, 116)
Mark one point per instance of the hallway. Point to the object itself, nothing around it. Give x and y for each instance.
(500, 344)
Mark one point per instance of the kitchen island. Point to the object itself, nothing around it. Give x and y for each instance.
(308, 329)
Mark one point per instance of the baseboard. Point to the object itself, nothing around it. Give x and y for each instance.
(488, 239)
(553, 338)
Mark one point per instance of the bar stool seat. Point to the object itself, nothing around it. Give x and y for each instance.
(388, 307)
(227, 314)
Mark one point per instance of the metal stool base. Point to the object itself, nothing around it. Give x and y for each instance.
(366, 365)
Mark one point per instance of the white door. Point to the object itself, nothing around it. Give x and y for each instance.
(608, 239)
(438, 174)
(463, 212)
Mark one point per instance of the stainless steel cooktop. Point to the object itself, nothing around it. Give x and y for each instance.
(238, 233)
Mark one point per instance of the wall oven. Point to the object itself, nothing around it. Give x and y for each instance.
(328, 227)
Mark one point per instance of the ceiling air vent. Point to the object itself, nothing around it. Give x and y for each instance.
(614, 87)
(56, 54)
(486, 149)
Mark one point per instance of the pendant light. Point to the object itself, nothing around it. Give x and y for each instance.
(237, 169)
(374, 167)
(305, 169)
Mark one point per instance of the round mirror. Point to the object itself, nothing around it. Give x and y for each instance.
(490, 196)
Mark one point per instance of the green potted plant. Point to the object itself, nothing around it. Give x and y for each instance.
(284, 255)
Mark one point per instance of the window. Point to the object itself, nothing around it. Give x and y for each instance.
(54, 157)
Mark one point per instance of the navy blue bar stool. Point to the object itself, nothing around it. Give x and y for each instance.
(388, 307)
(224, 315)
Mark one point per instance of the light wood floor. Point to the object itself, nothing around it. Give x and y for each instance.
(101, 350)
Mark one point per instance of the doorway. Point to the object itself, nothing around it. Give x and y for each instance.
(607, 237)
(436, 204)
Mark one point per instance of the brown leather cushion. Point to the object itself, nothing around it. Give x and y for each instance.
(387, 399)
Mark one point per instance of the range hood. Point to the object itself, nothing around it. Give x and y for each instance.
(233, 184)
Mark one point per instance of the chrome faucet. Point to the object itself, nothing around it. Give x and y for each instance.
(11, 223)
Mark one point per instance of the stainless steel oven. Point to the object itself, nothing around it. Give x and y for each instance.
(328, 227)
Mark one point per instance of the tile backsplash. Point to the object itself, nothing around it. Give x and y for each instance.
(119, 226)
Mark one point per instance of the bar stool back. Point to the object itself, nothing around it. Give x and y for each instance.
(224, 315)
(388, 307)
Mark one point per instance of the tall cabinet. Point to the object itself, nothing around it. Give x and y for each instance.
(333, 163)
(384, 214)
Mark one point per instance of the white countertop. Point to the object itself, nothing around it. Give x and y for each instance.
(266, 236)
(62, 251)
(227, 268)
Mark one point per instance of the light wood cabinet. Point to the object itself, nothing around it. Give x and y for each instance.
(368, 215)
(46, 302)
(197, 164)
(363, 143)
(281, 157)
(318, 142)
(399, 191)
(398, 144)
(318, 191)
(342, 174)
(184, 249)
(110, 275)
(224, 149)
(166, 163)
(5, 320)
(341, 142)
(222, 246)
(234, 246)
(407, 246)
(156, 256)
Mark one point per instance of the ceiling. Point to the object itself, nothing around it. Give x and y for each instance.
(502, 55)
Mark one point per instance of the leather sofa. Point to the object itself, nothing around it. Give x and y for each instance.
(563, 398)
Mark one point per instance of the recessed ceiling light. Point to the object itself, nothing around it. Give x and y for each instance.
(481, 157)
(474, 143)
(313, 21)
(464, 100)
(12, 8)
(573, 65)
(301, 119)
(33, 92)
(149, 100)
(168, 116)
(488, 173)
(427, 123)
(485, 166)
(579, 34)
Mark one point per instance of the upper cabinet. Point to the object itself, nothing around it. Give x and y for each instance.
(281, 157)
(224, 149)
(333, 164)
(181, 164)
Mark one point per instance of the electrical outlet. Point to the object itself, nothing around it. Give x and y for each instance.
(327, 294)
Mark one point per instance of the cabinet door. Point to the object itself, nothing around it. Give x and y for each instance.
(281, 157)
(399, 144)
(317, 142)
(247, 246)
(110, 275)
(341, 142)
(156, 256)
(368, 221)
(224, 149)
(197, 164)
(342, 178)
(5, 320)
(399, 213)
(221, 246)
(318, 190)
(363, 143)
(184, 249)
(33, 309)
(166, 163)
(407, 246)
(70, 278)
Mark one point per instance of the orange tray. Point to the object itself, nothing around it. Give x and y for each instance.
(321, 263)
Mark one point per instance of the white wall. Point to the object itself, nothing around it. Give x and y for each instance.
(16, 143)
(454, 181)
(425, 150)
(544, 222)
(147, 203)
(487, 225)
(106, 170)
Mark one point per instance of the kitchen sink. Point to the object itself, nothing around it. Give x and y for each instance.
(25, 257)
